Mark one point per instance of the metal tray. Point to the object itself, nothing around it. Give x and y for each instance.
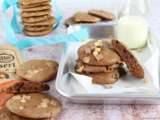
(98, 31)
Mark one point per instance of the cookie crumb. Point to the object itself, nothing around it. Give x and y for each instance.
(108, 86)
(140, 49)
(146, 80)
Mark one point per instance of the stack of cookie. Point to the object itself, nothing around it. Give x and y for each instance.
(36, 17)
(97, 60)
(26, 98)
(92, 16)
(104, 62)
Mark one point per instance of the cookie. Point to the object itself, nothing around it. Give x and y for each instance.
(38, 8)
(38, 33)
(34, 105)
(27, 87)
(69, 21)
(35, 19)
(5, 114)
(4, 97)
(30, 2)
(100, 55)
(105, 78)
(37, 28)
(133, 65)
(35, 70)
(87, 69)
(35, 14)
(48, 22)
(82, 17)
(102, 14)
(34, 5)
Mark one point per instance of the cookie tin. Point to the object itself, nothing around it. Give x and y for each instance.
(68, 91)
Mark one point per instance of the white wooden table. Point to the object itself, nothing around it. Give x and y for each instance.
(98, 112)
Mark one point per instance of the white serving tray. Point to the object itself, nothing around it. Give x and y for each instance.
(68, 87)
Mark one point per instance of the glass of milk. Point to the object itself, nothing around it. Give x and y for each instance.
(132, 27)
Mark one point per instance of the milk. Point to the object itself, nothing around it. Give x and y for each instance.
(132, 31)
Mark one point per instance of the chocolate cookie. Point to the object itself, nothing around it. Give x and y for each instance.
(27, 87)
(48, 22)
(81, 17)
(105, 78)
(132, 63)
(38, 70)
(102, 14)
(36, 13)
(96, 53)
(35, 105)
(30, 2)
(87, 69)
(38, 33)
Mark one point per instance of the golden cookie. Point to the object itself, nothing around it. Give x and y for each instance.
(48, 22)
(38, 33)
(38, 70)
(82, 17)
(37, 28)
(38, 8)
(35, 14)
(102, 14)
(30, 2)
(34, 5)
(35, 19)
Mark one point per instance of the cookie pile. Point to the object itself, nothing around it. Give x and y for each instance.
(99, 62)
(36, 17)
(105, 62)
(26, 98)
(92, 16)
